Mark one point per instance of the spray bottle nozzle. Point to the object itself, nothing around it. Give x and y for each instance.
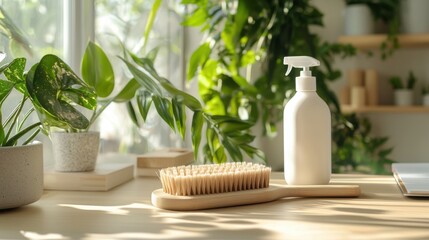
(303, 62)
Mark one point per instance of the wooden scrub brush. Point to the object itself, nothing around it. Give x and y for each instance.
(198, 187)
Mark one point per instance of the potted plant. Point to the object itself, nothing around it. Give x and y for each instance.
(414, 17)
(21, 162)
(63, 100)
(384, 13)
(403, 95)
(358, 19)
(425, 94)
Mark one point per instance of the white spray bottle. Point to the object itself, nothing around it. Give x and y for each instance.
(307, 129)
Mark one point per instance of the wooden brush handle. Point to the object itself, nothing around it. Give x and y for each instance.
(274, 192)
(316, 191)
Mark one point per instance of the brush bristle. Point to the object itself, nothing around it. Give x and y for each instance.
(214, 178)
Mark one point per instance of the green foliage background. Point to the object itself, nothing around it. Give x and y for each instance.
(244, 34)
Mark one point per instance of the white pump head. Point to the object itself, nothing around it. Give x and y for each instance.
(303, 62)
(305, 82)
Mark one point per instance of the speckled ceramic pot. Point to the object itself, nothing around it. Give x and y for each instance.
(21, 175)
(75, 152)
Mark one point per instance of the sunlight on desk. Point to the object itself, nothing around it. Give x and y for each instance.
(118, 210)
(168, 234)
(126, 212)
(36, 236)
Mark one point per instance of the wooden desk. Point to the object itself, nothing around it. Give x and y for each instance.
(126, 213)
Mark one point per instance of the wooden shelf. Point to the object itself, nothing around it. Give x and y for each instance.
(367, 42)
(385, 109)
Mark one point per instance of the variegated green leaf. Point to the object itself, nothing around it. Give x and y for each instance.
(53, 77)
(14, 72)
(5, 89)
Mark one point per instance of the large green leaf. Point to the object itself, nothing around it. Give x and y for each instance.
(238, 138)
(148, 77)
(233, 150)
(196, 129)
(219, 155)
(5, 89)
(253, 152)
(190, 101)
(128, 92)
(179, 115)
(198, 58)
(79, 95)
(53, 77)
(132, 113)
(97, 70)
(210, 136)
(197, 18)
(30, 87)
(144, 101)
(143, 78)
(150, 20)
(14, 72)
(164, 109)
(215, 105)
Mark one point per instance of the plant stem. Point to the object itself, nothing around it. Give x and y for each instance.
(98, 113)
(29, 139)
(15, 115)
(13, 140)
(26, 116)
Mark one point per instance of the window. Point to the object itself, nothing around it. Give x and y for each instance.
(37, 28)
(64, 28)
(124, 21)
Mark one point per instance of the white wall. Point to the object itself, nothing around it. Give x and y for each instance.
(408, 132)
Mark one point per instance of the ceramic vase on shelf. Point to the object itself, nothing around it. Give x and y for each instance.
(75, 152)
(426, 100)
(404, 97)
(21, 175)
(358, 20)
(414, 16)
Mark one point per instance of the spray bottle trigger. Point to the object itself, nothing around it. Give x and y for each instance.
(289, 69)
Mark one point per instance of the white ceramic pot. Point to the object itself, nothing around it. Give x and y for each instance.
(21, 175)
(358, 20)
(75, 152)
(426, 100)
(414, 16)
(404, 97)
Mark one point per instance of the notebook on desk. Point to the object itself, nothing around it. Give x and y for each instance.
(412, 178)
